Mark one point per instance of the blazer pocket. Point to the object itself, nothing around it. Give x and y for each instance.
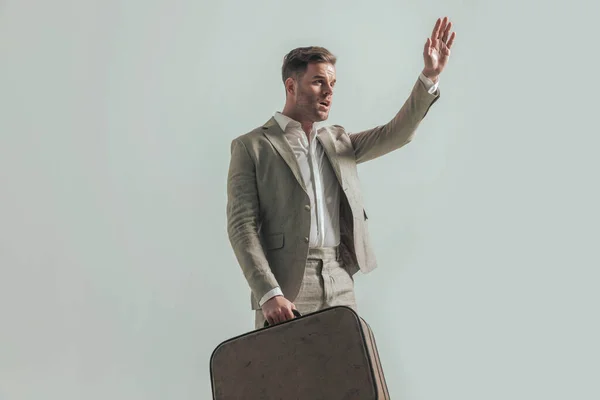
(274, 241)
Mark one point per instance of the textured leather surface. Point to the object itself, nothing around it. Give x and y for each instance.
(329, 354)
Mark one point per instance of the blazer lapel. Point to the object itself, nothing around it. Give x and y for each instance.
(275, 135)
(324, 136)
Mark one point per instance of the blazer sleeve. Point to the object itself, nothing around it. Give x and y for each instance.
(378, 141)
(243, 213)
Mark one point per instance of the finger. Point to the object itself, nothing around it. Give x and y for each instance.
(451, 40)
(267, 318)
(447, 32)
(439, 29)
(436, 29)
(444, 27)
(426, 47)
(288, 313)
(282, 315)
(271, 317)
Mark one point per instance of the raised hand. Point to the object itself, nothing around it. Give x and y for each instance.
(437, 48)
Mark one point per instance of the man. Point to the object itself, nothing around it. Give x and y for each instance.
(295, 217)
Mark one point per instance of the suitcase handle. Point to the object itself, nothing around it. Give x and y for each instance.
(296, 313)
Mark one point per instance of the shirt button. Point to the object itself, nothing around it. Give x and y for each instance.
(307, 207)
(306, 239)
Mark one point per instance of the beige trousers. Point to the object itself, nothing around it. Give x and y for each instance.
(326, 283)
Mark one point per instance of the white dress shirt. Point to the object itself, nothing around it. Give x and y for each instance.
(320, 182)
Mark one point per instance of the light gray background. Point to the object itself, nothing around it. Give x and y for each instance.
(116, 276)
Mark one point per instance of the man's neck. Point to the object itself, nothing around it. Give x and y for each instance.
(307, 126)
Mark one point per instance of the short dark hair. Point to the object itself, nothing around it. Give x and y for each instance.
(296, 61)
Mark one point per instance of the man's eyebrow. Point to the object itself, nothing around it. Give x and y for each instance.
(322, 77)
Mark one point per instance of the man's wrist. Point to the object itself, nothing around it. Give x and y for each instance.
(433, 77)
(429, 85)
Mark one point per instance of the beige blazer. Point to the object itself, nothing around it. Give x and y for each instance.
(267, 219)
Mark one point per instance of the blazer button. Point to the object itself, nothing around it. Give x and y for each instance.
(306, 239)
(307, 207)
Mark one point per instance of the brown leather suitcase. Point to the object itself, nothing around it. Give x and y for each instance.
(326, 355)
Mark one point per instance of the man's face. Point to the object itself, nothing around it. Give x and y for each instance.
(314, 92)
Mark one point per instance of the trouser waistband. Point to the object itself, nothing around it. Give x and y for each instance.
(324, 253)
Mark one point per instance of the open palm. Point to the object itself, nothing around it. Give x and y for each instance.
(437, 48)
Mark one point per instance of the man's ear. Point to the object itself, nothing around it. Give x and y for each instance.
(290, 86)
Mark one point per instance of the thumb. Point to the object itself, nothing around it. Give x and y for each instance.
(427, 45)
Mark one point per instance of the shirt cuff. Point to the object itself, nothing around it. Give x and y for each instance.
(269, 295)
(429, 85)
